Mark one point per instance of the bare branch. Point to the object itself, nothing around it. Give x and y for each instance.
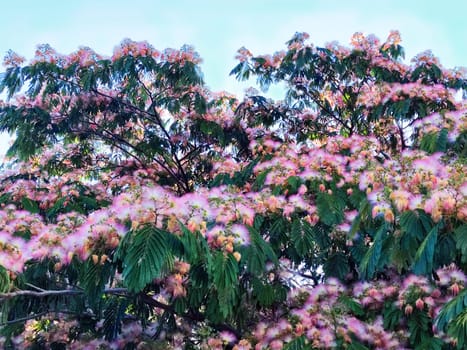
(47, 293)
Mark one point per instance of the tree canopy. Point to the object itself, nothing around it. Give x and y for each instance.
(140, 210)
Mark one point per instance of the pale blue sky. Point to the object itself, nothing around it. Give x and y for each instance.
(218, 28)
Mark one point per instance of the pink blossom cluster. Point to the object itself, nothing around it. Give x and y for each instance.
(431, 185)
(372, 95)
(101, 230)
(321, 314)
(453, 121)
(129, 47)
(60, 329)
(428, 184)
(12, 59)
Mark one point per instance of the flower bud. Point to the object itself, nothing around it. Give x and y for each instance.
(455, 288)
(408, 310)
(104, 258)
(436, 293)
(299, 329)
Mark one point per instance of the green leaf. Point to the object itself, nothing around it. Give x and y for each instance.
(336, 265)
(224, 276)
(445, 252)
(241, 71)
(392, 316)
(430, 343)
(30, 205)
(224, 271)
(263, 292)
(451, 310)
(260, 180)
(442, 140)
(414, 227)
(423, 262)
(356, 345)
(191, 243)
(147, 254)
(458, 329)
(256, 254)
(419, 327)
(435, 141)
(460, 235)
(199, 285)
(416, 223)
(294, 183)
(330, 208)
(113, 315)
(302, 237)
(300, 343)
(94, 278)
(57, 208)
(369, 263)
(352, 304)
(4, 280)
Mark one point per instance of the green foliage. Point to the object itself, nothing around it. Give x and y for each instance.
(461, 241)
(414, 227)
(94, 277)
(224, 276)
(458, 329)
(371, 260)
(264, 293)
(336, 265)
(97, 135)
(30, 205)
(256, 254)
(114, 313)
(430, 343)
(356, 345)
(451, 311)
(4, 280)
(423, 262)
(354, 306)
(299, 343)
(145, 254)
(330, 208)
(435, 142)
(419, 325)
(302, 237)
(392, 315)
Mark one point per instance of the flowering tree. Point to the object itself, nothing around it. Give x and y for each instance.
(140, 210)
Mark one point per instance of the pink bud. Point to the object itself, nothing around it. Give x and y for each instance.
(455, 288)
(408, 310)
(436, 293)
(419, 304)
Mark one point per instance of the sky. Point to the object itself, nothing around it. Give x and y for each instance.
(217, 29)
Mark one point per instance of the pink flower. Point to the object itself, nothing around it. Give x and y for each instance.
(276, 345)
(419, 304)
(227, 337)
(357, 327)
(241, 233)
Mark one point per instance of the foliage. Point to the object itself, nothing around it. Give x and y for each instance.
(138, 209)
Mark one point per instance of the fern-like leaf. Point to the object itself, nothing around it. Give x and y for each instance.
(461, 241)
(369, 263)
(423, 263)
(451, 310)
(146, 256)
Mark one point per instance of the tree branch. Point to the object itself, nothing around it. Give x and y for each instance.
(47, 293)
